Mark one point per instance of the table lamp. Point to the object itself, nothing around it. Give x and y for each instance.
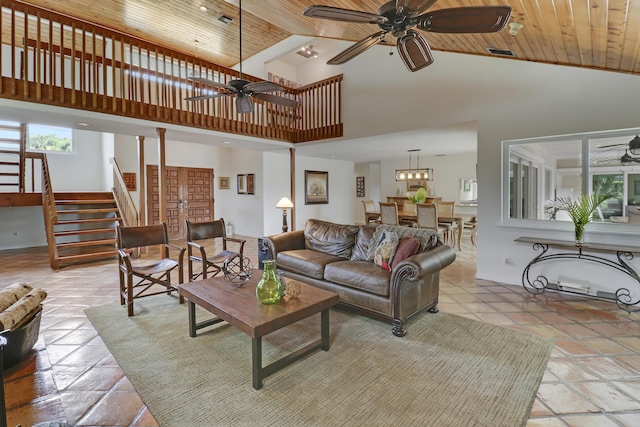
(284, 204)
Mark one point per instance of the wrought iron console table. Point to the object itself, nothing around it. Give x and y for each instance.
(538, 285)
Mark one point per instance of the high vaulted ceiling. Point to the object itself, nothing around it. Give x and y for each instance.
(601, 34)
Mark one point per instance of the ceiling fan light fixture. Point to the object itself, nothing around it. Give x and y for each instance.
(244, 104)
(307, 52)
(634, 145)
(515, 27)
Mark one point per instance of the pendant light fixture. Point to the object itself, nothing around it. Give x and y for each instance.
(417, 174)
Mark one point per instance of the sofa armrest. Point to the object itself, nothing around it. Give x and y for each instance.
(283, 242)
(425, 263)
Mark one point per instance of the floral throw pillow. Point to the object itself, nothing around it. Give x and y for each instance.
(385, 249)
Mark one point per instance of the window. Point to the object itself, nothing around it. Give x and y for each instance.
(539, 170)
(49, 138)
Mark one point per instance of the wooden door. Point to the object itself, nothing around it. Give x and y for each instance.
(189, 196)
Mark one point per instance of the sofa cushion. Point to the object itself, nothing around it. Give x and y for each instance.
(407, 246)
(385, 249)
(330, 238)
(428, 238)
(363, 275)
(305, 261)
(361, 247)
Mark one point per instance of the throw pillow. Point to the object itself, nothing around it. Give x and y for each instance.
(428, 238)
(408, 246)
(361, 248)
(385, 249)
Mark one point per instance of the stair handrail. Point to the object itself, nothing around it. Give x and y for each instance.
(48, 208)
(124, 201)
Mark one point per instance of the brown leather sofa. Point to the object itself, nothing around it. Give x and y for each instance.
(339, 258)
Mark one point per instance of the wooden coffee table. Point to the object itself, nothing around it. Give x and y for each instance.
(240, 307)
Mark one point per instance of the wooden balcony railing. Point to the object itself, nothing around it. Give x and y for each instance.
(53, 59)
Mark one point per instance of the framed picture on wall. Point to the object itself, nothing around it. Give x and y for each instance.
(250, 183)
(316, 187)
(242, 184)
(360, 186)
(415, 184)
(223, 183)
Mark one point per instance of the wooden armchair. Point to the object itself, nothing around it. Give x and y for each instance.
(150, 273)
(198, 231)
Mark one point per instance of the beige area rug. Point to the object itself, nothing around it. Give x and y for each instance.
(447, 371)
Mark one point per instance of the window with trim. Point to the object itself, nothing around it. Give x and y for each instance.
(537, 171)
(49, 138)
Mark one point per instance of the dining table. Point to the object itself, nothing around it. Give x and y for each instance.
(411, 215)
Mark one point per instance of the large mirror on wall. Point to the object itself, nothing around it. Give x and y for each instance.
(537, 171)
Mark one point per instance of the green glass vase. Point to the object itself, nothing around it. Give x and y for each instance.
(269, 289)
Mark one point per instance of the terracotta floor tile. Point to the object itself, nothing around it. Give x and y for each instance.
(609, 368)
(607, 346)
(23, 390)
(574, 347)
(145, 419)
(568, 369)
(539, 409)
(65, 375)
(563, 400)
(494, 318)
(631, 342)
(523, 318)
(47, 408)
(590, 421)
(78, 403)
(630, 388)
(608, 329)
(547, 331)
(630, 361)
(577, 331)
(103, 414)
(607, 398)
(546, 422)
(553, 317)
(626, 420)
(97, 379)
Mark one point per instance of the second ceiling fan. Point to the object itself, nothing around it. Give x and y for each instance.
(398, 17)
(244, 90)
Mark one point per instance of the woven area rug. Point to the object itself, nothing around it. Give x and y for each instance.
(447, 371)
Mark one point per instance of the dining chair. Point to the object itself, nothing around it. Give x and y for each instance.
(472, 226)
(150, 274)
(408, 207)
(214, 232)
(370, 212)
(447, 210)
(427, 217)
(388, 213)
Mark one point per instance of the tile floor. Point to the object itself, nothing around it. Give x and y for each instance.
(592, 379)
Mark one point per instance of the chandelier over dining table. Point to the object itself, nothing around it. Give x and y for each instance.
(414, 174)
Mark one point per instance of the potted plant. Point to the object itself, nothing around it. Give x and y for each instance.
(581, 210)
(419, 196)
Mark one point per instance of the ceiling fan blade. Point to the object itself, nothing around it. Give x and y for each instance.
(261, 87)
(474, 19)
(344, 15)
(275, 99)
(211, 83)
(613, 145)
(357, 48)
(208, 96)
(413, 7)
(414, 51)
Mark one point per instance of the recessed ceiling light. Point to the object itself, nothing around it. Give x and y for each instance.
(226, 142)
(203, 8)
(82, 124)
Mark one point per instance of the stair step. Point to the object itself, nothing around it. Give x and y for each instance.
(85, 202)
(85, 243)
(9, 163)
(87, 231)
(88, 220)
(88, 256)
(86, 211)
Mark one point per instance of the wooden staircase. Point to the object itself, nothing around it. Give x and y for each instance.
(11, 157)
(85, 227)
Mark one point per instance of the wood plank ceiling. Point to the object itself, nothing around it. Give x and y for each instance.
(601, 34)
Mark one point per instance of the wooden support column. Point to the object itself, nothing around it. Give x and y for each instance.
(142, 189)
(162, 189)
(22, 159)
(292, 183)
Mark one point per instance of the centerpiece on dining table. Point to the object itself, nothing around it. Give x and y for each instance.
(419, 196)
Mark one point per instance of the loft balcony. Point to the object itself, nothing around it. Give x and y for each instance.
(52, 59)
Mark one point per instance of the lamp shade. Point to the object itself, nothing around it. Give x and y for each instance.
(284, 203)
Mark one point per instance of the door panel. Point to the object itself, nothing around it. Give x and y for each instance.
(189, 196)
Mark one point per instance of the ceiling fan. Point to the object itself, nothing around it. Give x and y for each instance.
(244, 90)
(633, 146)
(398, 17)
(626, 159)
